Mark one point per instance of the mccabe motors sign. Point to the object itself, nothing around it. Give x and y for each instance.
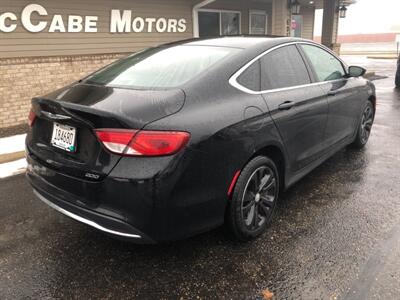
(120, 21)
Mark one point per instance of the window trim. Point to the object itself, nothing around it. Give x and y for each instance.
(258, 12)
(233, 80)
(220, 12)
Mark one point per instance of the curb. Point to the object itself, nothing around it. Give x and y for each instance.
(369, 74)
(382, 57)
(9, 157)
(371, 54)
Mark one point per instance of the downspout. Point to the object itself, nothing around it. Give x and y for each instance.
(195, 17)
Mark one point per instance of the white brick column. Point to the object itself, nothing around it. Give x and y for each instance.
(281, 18)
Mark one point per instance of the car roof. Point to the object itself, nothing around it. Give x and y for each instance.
(243, 42)
(251, 47)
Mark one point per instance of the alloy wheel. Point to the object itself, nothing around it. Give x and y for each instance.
(366, 124)
(259, 198)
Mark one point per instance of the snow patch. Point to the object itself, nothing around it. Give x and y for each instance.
(13, 168)
(12, 144)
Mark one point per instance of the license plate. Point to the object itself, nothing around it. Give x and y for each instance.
(64, 137)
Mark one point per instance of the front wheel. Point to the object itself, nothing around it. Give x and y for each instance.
(254, 199)
(365, 126)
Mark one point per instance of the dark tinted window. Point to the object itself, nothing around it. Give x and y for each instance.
(326, 66)
(161, 67)
(283, 67)
(209, 24)
(251, 78)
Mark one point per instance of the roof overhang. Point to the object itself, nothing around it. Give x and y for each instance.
(319, 4)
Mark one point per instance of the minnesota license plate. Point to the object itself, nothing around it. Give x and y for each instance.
(64, 137)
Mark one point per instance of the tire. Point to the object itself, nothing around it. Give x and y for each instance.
(365, 126)
(249, 213)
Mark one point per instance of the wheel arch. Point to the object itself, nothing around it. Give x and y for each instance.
(372, 98)
(275, 153)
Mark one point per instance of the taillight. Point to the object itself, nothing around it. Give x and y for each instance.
(31, 118)
(142, 143)
(115, 140)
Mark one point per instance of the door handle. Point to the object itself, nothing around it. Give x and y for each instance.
(332, 93)
(286, 105)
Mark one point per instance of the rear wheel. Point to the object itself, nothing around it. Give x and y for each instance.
(365, 126)
(254, 199)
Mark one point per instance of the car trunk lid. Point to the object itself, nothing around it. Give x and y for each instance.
(89, 107)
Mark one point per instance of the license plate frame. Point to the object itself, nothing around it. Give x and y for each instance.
(64, 137)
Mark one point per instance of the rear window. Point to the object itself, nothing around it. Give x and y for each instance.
(161, 67)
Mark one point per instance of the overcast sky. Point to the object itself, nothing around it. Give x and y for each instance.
(366, 16)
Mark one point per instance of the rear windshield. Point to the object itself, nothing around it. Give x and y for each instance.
(161, 67)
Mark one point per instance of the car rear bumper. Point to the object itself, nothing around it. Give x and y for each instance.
(118, 207)
(142, 200)
(101, 222)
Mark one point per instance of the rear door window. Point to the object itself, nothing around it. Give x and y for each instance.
(326, 66)
(283, 68)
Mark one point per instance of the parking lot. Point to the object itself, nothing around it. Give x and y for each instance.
(336, 235)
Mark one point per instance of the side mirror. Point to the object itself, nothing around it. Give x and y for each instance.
(355, 71)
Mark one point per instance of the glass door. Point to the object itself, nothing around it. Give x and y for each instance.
(297, 26)
(230, 23)
(216, 23)
(209, 24)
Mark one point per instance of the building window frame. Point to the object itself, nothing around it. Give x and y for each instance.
(253, 12)
(220, 12)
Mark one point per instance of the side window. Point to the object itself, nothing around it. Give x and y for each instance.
(326, 66)
(251, 78)
(283, 67)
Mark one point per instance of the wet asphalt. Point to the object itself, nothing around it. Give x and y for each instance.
(336, 235)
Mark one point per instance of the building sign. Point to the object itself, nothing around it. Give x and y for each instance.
(120, 21)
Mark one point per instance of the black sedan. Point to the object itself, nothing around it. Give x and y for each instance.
(182, 138)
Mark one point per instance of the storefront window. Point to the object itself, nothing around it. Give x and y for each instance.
(230, 23)
(216, 23)
(258, 22)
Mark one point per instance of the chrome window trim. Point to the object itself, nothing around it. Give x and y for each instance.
(233, 80)
(83, 220)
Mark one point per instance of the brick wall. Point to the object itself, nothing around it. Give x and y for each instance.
(24, 78)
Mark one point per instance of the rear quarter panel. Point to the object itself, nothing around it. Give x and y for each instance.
(227, 127)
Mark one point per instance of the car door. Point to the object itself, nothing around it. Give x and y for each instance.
(299, 108)
(341, 92)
